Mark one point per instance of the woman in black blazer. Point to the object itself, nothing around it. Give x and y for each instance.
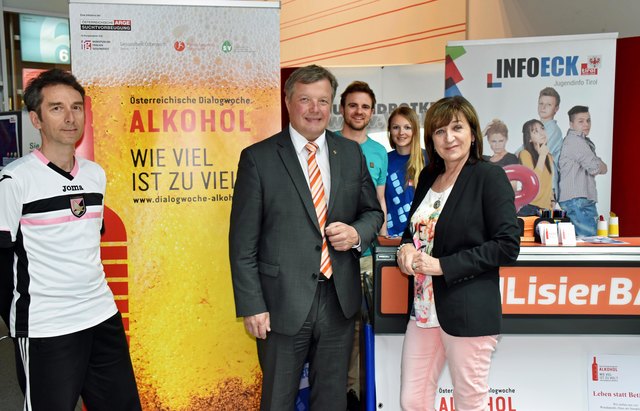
(463, 227)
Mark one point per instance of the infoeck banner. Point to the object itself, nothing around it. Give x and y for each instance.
(175, 92)
(523, 88)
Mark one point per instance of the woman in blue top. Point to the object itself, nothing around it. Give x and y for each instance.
(405, 163)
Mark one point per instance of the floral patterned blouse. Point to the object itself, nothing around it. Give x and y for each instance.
(423, 225)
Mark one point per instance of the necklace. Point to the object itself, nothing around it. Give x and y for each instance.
(447, 183)
(438, 199)
(438, 202)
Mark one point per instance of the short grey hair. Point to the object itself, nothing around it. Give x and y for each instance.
(307, 75)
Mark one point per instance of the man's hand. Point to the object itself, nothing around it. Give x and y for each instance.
(602, 168)
(341, 236)
(258, 325)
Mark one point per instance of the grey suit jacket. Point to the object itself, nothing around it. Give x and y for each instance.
(275, 241)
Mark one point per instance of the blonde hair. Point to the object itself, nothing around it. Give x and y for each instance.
(496, 127)
(415, 164)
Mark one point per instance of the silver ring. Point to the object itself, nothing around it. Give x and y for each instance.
(413, 266)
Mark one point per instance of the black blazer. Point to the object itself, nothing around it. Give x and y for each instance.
(274, 238)
(476, 233)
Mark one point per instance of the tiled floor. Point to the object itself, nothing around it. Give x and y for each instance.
(10, 395)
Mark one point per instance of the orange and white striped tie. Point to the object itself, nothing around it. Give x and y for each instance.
(319, 202)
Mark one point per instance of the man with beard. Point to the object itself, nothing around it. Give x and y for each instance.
(356, 106)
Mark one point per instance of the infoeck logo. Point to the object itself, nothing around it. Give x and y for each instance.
(226, 46)
(532, 67)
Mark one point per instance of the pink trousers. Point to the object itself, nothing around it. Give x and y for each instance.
(424, 353)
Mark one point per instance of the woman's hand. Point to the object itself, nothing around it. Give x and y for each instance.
(542, 149)
(411, 261)
(405, 257)
(425, 264)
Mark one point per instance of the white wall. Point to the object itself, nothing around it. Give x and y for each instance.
(490, 18)
(55, 7)
(525, 18)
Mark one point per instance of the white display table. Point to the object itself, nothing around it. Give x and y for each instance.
(561, 307)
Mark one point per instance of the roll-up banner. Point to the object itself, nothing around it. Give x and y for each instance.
(174, 94)
(504, 79)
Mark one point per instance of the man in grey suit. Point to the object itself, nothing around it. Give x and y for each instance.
(296, 310)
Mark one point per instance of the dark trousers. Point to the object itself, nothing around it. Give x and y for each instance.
(325, 341)
(92, 363)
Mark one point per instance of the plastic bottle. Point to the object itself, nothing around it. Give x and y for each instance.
(614, 227)
(602, 229)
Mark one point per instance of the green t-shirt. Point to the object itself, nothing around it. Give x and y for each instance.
(377, 162)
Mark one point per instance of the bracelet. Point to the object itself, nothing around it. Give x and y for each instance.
(400, 248)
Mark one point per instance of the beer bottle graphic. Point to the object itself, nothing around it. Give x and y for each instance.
(594, 370)
(113, 244)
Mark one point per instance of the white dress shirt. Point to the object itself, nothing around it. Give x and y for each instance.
(322, 157)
